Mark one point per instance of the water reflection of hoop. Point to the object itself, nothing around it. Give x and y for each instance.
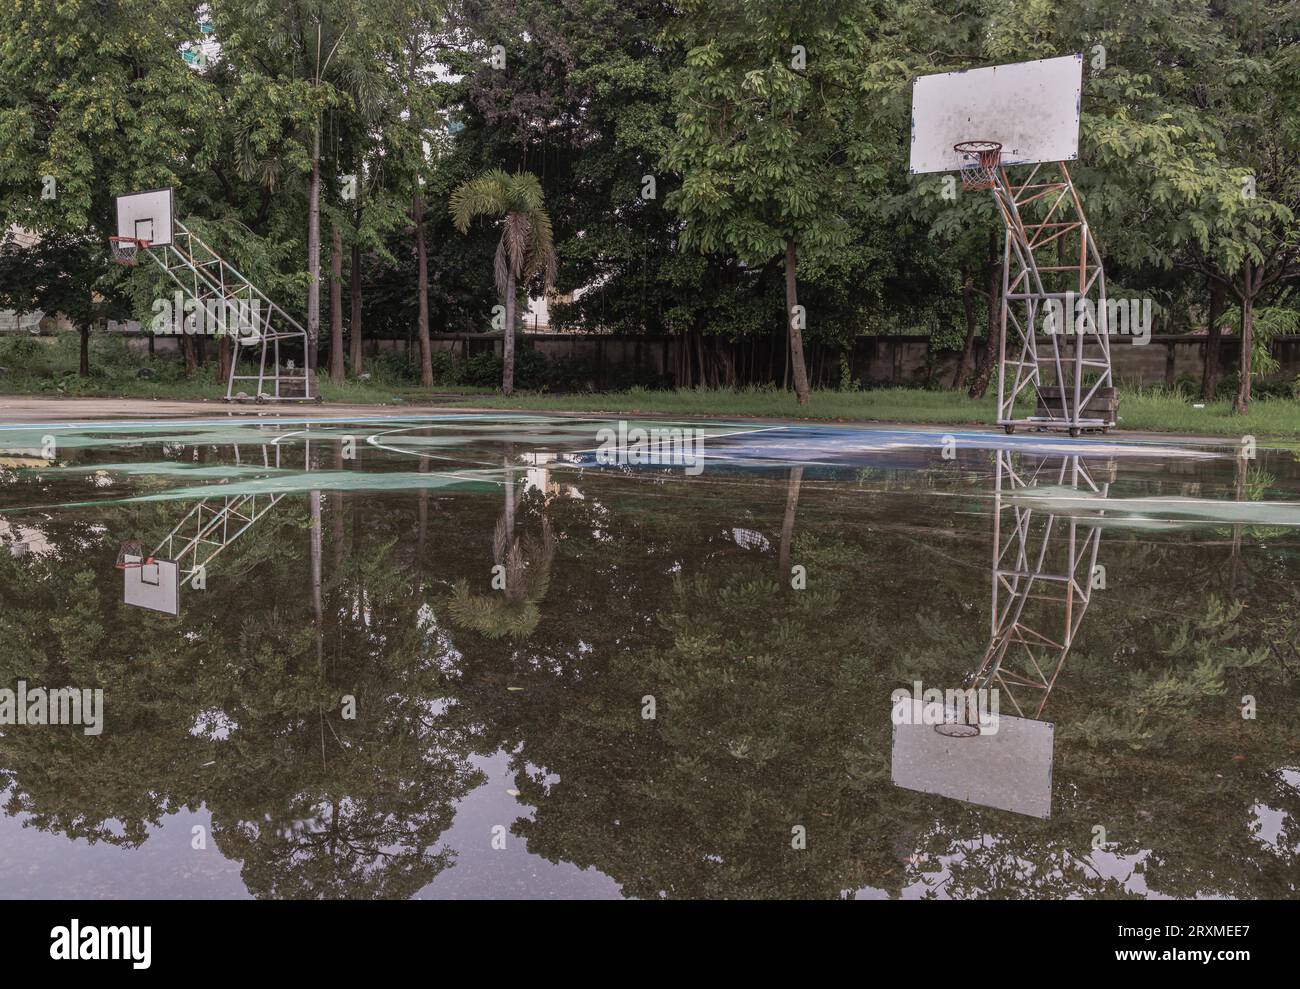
(957, 729)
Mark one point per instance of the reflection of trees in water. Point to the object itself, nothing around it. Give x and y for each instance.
(59, 627)
(772, 711)
(772, 707)
(312, 803)
(523, 565)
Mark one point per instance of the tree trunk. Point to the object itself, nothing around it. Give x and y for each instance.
(187, 348)
(84, 369)
(336, 306)
(1213, 342)
(313, 259)
(968, 345)
(508, 339)
(796, 332)
(354, 325)
(225, 352)
(1242, 405)
(994, 340)
(422, 265)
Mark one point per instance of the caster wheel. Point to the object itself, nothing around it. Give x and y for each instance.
(1075, 431)
(1009, 429)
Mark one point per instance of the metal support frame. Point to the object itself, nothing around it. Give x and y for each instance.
(1050, 255)
(1042, 572)
(214, 284)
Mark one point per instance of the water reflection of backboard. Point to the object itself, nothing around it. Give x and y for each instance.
(196, 540)
(1043, 563)
(1010, 769)
(153, 585)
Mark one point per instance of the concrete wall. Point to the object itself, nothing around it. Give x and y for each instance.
(1165, 359)
(885, 359)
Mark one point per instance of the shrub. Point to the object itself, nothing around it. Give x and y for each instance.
(22, 352)
(392, 368)
(448, 369)
(484, 370)
(1273, 386)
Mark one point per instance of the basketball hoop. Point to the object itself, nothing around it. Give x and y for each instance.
(125, 249)
(131, 554)
(982, 161)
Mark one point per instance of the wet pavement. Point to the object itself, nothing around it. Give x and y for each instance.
(494, 655)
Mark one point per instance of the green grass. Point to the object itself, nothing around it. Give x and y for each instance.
(49, 368)
(1163, 411)
(894, 405)
(204, 387)
(1153, 409)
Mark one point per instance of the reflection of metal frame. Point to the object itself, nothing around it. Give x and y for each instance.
(209, 528)
(214, 523)
(1049, 256)
(1039, 596)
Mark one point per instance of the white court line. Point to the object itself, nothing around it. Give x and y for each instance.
(259, 421)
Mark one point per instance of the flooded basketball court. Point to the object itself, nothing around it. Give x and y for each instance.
(526, 656)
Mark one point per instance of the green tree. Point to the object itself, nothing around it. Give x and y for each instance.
(414, 137)
(58, 274)
(1189, 137)
(95, 101)
(525, 250)
(769, 137)
(296, 61)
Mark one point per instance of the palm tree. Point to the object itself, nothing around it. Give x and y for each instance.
(526, 248)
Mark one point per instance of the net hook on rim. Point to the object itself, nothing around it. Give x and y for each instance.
(131, 554)
(985, 158)
(126, 249)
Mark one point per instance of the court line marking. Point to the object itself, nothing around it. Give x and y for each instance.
(248, 421)
(1026, 442)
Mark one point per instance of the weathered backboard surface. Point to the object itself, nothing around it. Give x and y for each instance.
(146, 216)
(1032, 108)
(154, 586)
(1010, 769)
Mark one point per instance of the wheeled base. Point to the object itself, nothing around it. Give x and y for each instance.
(263, 399)
(1044, 424)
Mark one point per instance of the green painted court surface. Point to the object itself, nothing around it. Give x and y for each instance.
(348, 707)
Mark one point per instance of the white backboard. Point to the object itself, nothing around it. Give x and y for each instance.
(1010, 769)
(1032, 108)
(152, 585)
(146, 216)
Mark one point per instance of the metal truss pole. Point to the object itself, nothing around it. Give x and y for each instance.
(1051, 264)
